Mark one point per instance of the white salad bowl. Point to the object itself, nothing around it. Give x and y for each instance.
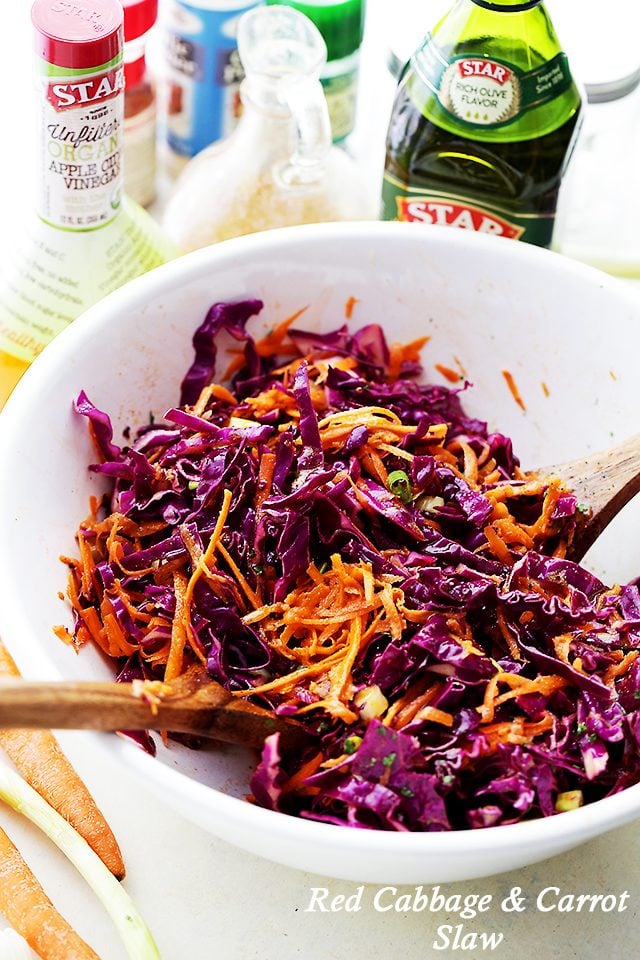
(569, 335)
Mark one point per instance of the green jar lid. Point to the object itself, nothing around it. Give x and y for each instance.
(341, 22)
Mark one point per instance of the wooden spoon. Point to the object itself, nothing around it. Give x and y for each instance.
(195, 704)
(603, 483)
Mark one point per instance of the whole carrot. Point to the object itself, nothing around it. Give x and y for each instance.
(29, 910)
(40, 760)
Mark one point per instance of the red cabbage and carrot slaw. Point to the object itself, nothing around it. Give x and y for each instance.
(343, 544)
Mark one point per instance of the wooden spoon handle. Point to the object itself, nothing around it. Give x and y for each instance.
(77, 705)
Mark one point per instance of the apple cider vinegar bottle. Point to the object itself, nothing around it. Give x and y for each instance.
(84, 238)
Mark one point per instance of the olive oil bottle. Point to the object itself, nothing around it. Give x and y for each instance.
(484, 123)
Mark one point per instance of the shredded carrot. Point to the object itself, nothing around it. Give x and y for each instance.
(435, 715)
(555, 488)
(562, 646)
(403, 353)
(513, 388)
(396, 451)
(62, 633)
(173, 668)
(135, 612)
(405, 707)
(341, 603)
(265, 478)
(519, 686)
(306, 770)
(87, 565)
(249, 592)
(534, 487)
(270, 400)
(396, 359)
(470, 460)
(200, 569)
(619, 669)
(272, 344)
(545, 388)
(372, 462)
(510, 533)
(447, 372)
(349, 305)
(518, 731)
(498, 546)
(118, 645)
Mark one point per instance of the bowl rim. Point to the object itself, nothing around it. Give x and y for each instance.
(571, 827)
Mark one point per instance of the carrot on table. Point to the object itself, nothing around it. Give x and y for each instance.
(29, 910)
(38, 756)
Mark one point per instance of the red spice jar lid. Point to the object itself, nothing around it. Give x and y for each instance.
(139, 17)
(77, 34)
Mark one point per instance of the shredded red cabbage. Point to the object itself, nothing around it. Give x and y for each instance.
(385, 573)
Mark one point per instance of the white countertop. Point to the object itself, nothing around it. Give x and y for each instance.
(203, 898)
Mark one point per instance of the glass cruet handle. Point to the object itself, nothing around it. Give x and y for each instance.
(305, 99)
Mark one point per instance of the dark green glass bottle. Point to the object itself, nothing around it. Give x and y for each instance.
(483, 124)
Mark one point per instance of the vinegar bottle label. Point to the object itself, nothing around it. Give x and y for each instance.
(81, 126)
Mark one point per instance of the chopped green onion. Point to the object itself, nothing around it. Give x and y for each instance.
(192, 485)
(351, 744)
(400, 485)
(117, 902)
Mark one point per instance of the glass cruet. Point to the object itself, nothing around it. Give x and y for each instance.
(278, 167)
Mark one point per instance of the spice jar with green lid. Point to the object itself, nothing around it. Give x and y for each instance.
(341, 23)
